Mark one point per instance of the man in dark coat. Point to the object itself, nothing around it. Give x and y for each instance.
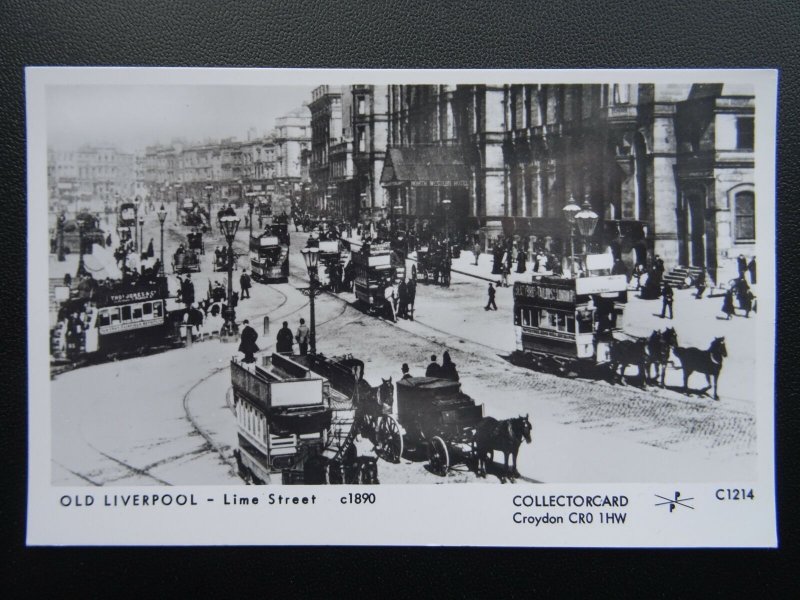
(434, 369)
(285, 340)
(405, 370)
(248, 344)
(491, 304)
(244, 283)
(187, 291)
(411, 293)
(741, 263)
(751, 266)
(402, 296)
(666, 297)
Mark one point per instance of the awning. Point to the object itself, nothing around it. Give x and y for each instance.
(425, 165)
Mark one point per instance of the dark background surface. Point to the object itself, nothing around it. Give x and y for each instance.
(410, 34)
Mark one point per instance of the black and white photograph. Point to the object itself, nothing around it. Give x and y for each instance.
(552, 288)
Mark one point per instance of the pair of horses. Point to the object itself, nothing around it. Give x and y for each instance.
(655, 351)
(645, 353)
(505, 436)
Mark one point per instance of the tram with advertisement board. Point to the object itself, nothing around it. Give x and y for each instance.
(115, 319)
(269, 255)
(376, 268)
(565, 323)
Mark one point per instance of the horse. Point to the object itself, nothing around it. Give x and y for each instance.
(658, 348)
(708, 362)
(628, 352)
(506, 436)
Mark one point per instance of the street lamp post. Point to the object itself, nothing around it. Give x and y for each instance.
(162, 216)
(141, 234)
(209, 189)
(136, 202)
(570, 210)
(229, 226)
(586, 220)
(251, 204)
(81, 266)
(311, 258)
(446, 204)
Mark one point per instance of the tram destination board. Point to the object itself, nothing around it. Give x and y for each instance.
(227, 344)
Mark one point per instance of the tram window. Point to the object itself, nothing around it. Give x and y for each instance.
(585, 325)
(157, 309)
(147, 309)
(103, 319)
(126, 313)
(570, 324)
(114, 312)
(137, 313)
(562, 322)
(526, 317)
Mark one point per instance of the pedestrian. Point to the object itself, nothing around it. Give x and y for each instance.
(434, 369)
(747, 303)
(638, 271)
(187, 291)
(700, 284)
(302, 337)
(390, 294)
(411, 293)
(405, 370)
(491, 304)
(248, 346)
(666, 297)
(402, 300)
(244, 283)
(476, 250)
(727, 305)
(285, 341)
(414, 272)
(741, 264)
(521, 265)
(448, 369)
(504, 276)
(751, 266)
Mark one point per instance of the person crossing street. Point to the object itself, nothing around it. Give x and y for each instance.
(302, 337)
(667, 298)
(244, 283)
(248, 345)
(491, 304)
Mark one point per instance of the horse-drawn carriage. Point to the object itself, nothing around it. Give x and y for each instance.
(434, 264)
(185, 260)
(195, 241)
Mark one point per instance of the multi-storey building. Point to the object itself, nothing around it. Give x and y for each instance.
(369, 120)
(326, 131)
(668, 168)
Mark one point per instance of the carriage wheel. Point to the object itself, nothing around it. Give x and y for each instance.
(389, 440)
(438, 457)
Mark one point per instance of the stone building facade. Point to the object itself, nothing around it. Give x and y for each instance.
(668, 168)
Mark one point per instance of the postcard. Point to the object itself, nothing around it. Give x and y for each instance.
(401, 307)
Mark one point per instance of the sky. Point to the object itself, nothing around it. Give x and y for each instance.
(132, 117)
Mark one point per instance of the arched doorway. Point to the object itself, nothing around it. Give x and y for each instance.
(696, 227)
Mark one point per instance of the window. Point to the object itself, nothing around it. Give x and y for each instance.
(126, 313)
(362, 138)
(114, 312)
(361, 105)
(103, 318)
(745, 133)
(157, 309)
(745, 216)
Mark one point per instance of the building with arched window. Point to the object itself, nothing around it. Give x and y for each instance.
(669, 168)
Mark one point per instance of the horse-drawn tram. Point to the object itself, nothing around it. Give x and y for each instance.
(376, 268)
(114, 318)
(565, 323)
(269, 255)
(293, 421)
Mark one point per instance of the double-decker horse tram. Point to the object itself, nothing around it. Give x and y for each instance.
(435, 413)
(567, 324)
(377, 268)
(292, 420)
(269, 254)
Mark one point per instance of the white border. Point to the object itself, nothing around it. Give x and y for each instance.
(412, 514)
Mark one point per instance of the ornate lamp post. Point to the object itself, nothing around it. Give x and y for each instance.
(229, 226)
(311, 258)
(81, 266)
(586, 220)
(570, 210)
(446, 205)
(162, 216)
(209, 189)
(141, 234)
(62, 218)
(136, 202)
